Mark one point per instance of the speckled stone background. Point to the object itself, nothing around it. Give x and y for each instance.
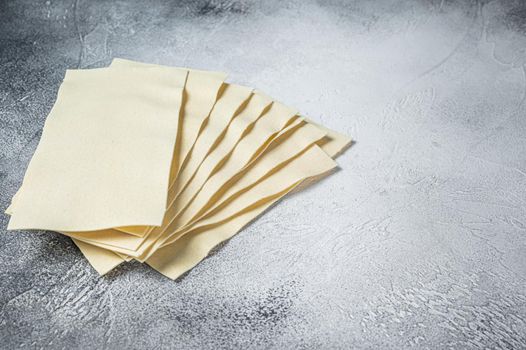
(419, 241)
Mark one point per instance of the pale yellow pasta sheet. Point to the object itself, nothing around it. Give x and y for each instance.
(87, 174)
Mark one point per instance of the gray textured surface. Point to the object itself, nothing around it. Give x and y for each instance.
(418, 242)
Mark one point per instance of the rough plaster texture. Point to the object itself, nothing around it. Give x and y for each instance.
(417, 242)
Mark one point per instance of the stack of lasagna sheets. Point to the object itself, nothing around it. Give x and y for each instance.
(160, 164)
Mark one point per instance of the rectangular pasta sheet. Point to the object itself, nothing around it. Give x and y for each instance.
(87, 174)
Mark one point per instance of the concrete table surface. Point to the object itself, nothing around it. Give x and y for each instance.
(419, 241)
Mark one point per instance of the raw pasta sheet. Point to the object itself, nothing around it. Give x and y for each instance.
(87, 174)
